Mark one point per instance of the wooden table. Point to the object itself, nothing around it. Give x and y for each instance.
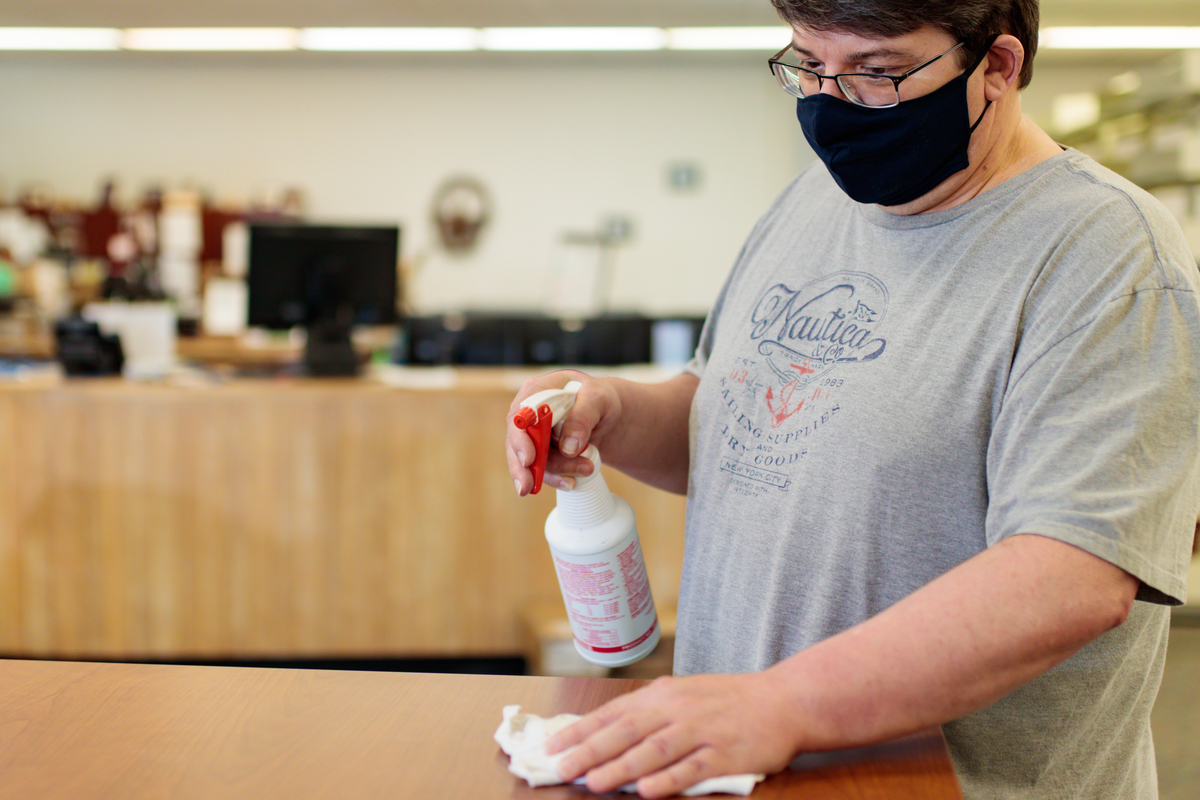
(73, 730)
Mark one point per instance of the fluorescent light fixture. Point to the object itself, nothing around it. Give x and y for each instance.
(746, 38)
(60, 39)
(1117, 38)
(572, 38)
(210, 39)
(576, 39)
(388, 39)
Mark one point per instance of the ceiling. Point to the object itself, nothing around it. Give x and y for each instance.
(495, 13)
(486, 13)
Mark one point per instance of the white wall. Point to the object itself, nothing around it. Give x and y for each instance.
(561, 142)
(561, 146)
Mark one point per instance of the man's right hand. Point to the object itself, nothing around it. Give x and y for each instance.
(640, 429)
(594, 415)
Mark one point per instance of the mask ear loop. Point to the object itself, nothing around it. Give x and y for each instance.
(971, 130)
(991, 41)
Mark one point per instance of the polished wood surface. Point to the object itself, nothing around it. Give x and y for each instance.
(277, 518)
(71, 730)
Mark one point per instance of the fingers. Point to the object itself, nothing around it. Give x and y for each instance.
(561, 478)
(621, 742)
(573, 734)
(677, 778)
(519, 448)
(520, 455)
(607, 747)
(664, 762)
(563, 461)
(660, 764)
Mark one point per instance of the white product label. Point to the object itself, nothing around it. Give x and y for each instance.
(608, 597)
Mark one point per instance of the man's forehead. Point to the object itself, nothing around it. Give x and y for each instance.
(881, 50)
(857, 47)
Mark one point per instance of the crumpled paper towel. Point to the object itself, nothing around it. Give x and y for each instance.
(523, 738)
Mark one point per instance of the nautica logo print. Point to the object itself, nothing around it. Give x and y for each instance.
(775, 413)
(804, 333)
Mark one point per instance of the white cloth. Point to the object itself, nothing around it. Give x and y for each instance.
(523, 738)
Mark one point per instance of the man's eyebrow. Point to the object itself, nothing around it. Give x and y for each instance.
(861, 55)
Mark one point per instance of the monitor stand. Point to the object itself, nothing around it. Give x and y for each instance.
(329, 351)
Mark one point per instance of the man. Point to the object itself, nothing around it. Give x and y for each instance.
(939, 439)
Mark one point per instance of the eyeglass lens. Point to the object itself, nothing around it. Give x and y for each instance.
(867, 90)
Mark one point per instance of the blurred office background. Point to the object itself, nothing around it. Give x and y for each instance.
(669, 156)
(604, 184)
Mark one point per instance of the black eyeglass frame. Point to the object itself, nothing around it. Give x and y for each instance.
(850, 95)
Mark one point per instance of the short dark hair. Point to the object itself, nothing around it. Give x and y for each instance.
(971, 22)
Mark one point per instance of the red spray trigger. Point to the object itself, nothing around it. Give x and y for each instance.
(538, 416)
(538, 425)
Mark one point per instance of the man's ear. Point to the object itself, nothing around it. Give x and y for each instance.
(1004, 63)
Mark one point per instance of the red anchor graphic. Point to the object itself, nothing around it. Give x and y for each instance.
(778, 415)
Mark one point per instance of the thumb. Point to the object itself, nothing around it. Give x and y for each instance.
(581, 422)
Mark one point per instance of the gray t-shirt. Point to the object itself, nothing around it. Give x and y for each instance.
(883, 397)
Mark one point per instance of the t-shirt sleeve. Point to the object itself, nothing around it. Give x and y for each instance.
(1097, 442)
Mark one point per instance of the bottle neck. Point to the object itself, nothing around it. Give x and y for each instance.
(590, 502)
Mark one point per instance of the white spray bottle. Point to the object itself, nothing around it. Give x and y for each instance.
(594, 542)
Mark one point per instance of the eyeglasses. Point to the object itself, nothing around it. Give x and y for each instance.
(860, 88)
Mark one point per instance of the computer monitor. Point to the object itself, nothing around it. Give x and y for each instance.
(327, 278)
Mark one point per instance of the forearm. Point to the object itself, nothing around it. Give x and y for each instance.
(652, 442)
(954, 646)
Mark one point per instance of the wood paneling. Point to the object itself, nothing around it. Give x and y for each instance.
(276, 518)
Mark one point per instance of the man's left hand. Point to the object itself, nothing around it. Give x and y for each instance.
(676, 732)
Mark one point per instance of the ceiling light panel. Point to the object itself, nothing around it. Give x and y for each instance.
(389, 39)
(1117, 38)
(545, 39)
(210, 39)
(746, 38)
(60, 39)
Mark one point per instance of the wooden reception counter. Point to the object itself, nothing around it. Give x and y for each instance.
(277, 518)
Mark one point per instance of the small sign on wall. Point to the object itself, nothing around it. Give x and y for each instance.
(684, 177)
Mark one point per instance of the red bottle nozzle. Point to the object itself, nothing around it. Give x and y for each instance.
(525, 417)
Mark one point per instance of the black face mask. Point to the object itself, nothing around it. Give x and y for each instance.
(892, 156)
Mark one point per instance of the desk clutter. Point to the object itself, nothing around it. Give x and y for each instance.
(226, 272)
(481, 338)
(139, 340)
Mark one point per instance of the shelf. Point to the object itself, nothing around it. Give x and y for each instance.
(1144, 125)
